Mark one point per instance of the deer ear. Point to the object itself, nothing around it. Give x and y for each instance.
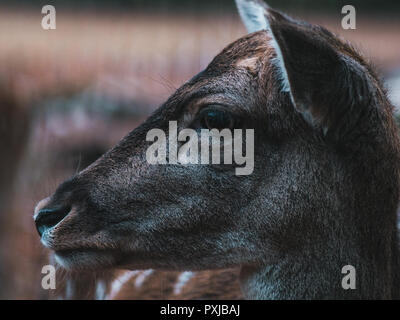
(323, 84)
(255, 16)
(252, 13)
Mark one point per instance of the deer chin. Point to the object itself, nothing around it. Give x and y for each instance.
(85, 259)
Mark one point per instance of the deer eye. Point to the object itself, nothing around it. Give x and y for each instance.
(216, 118)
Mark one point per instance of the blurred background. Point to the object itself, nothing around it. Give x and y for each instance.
(67, 95)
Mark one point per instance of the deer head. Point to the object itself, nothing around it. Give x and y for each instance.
(323, 192)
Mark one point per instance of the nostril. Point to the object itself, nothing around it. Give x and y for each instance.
(49, 217)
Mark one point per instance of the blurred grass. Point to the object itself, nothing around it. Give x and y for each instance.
(143, 56)
(137, 56)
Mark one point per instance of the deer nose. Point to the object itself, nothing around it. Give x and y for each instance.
(47, 217)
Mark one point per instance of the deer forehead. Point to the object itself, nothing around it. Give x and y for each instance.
(245, 52)
(250, 63)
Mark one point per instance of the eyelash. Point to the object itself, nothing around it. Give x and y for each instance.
(215, 116)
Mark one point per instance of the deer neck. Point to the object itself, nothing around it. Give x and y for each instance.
(315, 272)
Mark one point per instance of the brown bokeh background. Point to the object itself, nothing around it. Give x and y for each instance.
(67, 95)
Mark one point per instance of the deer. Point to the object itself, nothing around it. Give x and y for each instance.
(323, 194)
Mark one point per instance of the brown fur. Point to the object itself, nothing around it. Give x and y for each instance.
(220, 284)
